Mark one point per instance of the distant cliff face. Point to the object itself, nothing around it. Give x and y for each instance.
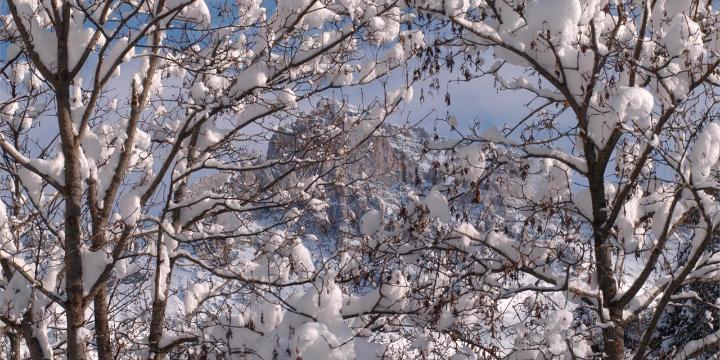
(385, 162)
(377, 174)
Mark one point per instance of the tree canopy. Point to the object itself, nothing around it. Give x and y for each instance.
(215, 179)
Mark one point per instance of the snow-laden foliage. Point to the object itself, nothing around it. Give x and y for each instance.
(588, 228)
(174, 179)
(135, 220)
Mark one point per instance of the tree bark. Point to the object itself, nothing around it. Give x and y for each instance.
(156, 324)
(100, 301)
(73, 232)
(102, 325)
(157, 321)
(73, 193)
(613, 335)
(33, 344)
(73, 212)
(15, 345)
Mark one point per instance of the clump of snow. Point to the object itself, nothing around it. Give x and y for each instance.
(555, 324)
(455, 7)
(287, 98)
(556, 16)
(549, 180)
(472, 161)
(629, 106)
(370, 222)
(344, 76)
(195, 294)
(7, 110)
(302, 258)
(384, 29)
(437, 205)
(93, 265)
(316, 14)
(465, 234)
(19, 72)
(394, 290)
(360, 128)
(32, 183)
(129, 206)
(15, 297)
(446, 319)
(119, 47)
(196, 10)
(627, 220)
(250, 78)
(634, 105)
(199, 92)
(319, 208)
(705, 153)
(683, 35)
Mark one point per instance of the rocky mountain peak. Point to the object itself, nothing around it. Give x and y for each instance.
(389, 159)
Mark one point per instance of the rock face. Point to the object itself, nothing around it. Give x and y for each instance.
(377, 174)
(387, 160)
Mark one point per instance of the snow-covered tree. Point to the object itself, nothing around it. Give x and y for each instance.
(580, 229)
(173, 173)
(139, 214)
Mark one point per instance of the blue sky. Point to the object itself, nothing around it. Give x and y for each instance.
(474, 101)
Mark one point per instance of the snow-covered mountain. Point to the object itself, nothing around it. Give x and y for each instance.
(376, 175)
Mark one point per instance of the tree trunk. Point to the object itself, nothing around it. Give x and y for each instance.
(613, 335)
(102, 325)
(15, 345)
(157, 321)
(33, 344)
(100, 302)
(73, 193)
(73, 243)
(160, 300)
(73, 230)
